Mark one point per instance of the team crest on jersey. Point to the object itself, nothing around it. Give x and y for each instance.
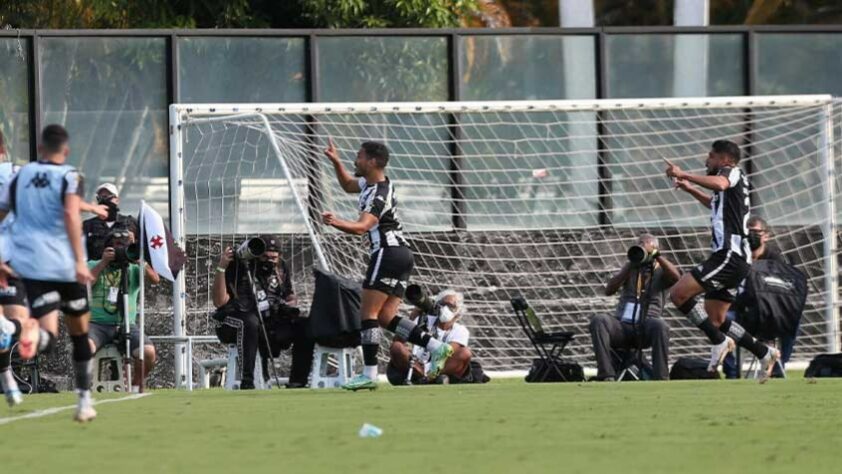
(40, 180)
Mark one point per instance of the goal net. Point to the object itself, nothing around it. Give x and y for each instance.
(502, 199)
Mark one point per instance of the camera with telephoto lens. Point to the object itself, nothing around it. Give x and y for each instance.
(638, 256)
(125, 251)
(416, 296)
(251, 249)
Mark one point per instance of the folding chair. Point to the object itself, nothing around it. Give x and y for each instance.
(548, 346)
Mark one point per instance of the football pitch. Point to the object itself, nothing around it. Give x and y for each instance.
(715, 427)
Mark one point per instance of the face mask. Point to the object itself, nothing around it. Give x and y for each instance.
(446, 315)
(754, 239)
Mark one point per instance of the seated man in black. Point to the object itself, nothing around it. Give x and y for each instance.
(643, 285)
(238, 318)
(759, 235)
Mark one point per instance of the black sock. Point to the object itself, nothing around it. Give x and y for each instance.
(370, 340)
(5, 361)
(82, 361)
(744, 339)
(699, 319)
(409, 331)
(16, 336)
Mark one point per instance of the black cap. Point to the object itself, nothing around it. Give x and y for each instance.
(273, 243)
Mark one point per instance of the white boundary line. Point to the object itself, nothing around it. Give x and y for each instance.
(53, 411)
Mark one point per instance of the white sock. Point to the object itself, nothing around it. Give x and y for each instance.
(433, 345)
(7, 378)
(370, 371)
(84, 395)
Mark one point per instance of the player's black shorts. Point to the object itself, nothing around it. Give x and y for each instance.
(389, 270)
(721, 274)
(47, 296)
(14, 294)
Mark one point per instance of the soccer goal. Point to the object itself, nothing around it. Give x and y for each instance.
(539, 199)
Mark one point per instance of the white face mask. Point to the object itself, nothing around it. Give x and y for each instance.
(446, 315)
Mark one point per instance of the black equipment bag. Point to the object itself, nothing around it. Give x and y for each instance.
(773, 301)
(691, 368)
(545, 371)
(825, 365)
(335, 312)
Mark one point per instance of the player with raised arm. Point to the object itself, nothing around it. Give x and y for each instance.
(719, 276)
(390, 264)
(48, 254)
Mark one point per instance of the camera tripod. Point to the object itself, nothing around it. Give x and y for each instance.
(257, 307)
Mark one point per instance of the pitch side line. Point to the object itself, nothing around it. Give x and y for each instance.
(53, 411)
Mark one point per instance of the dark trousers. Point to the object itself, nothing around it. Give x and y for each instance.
(244, 331)
(609, 333)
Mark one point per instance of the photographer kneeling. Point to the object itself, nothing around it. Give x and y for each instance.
(440, 319)
(237, 302)
(644, 280)
(107, 326)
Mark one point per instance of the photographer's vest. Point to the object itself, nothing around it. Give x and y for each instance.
(628, 296)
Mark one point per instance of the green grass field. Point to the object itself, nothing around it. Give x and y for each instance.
(713, 427)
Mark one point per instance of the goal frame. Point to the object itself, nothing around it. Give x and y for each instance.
(182, 115)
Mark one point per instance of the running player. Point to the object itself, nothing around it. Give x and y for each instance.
(719, 276)
(48, 254)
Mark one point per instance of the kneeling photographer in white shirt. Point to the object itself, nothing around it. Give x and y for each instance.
(440, 317)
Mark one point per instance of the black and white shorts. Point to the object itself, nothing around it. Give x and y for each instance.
(14, 294)
(389, 270)
(47, 296)
(721, 274)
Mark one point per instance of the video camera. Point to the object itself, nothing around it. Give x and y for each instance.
(111, 205)
(125, 251)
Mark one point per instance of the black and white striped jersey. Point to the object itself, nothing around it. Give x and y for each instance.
(379, 199)
(729, 212)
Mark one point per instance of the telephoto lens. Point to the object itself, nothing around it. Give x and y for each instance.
(416, 296)
(251, 248)
(638, 255)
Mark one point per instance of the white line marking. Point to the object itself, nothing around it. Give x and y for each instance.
(53, 411)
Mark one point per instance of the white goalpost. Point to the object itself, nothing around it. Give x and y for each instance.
(538, 199)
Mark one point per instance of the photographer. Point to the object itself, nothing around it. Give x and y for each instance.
(238, 303)
(442, 324)
(644, 281)
(96, 229)
(107, 324)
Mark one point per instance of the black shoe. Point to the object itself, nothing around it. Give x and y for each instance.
(295, 385)
(246, 385)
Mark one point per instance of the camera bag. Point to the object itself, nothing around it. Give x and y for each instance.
(691, 368)
(825, 365)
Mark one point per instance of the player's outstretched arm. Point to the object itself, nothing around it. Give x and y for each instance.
(346, 180)
(358, 227)
(73, 226)
(99, 210)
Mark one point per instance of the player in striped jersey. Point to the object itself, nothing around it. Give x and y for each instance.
(721, 274)
(390, 264)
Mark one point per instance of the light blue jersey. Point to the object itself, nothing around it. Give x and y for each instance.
(40, 249)
(7, 172)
